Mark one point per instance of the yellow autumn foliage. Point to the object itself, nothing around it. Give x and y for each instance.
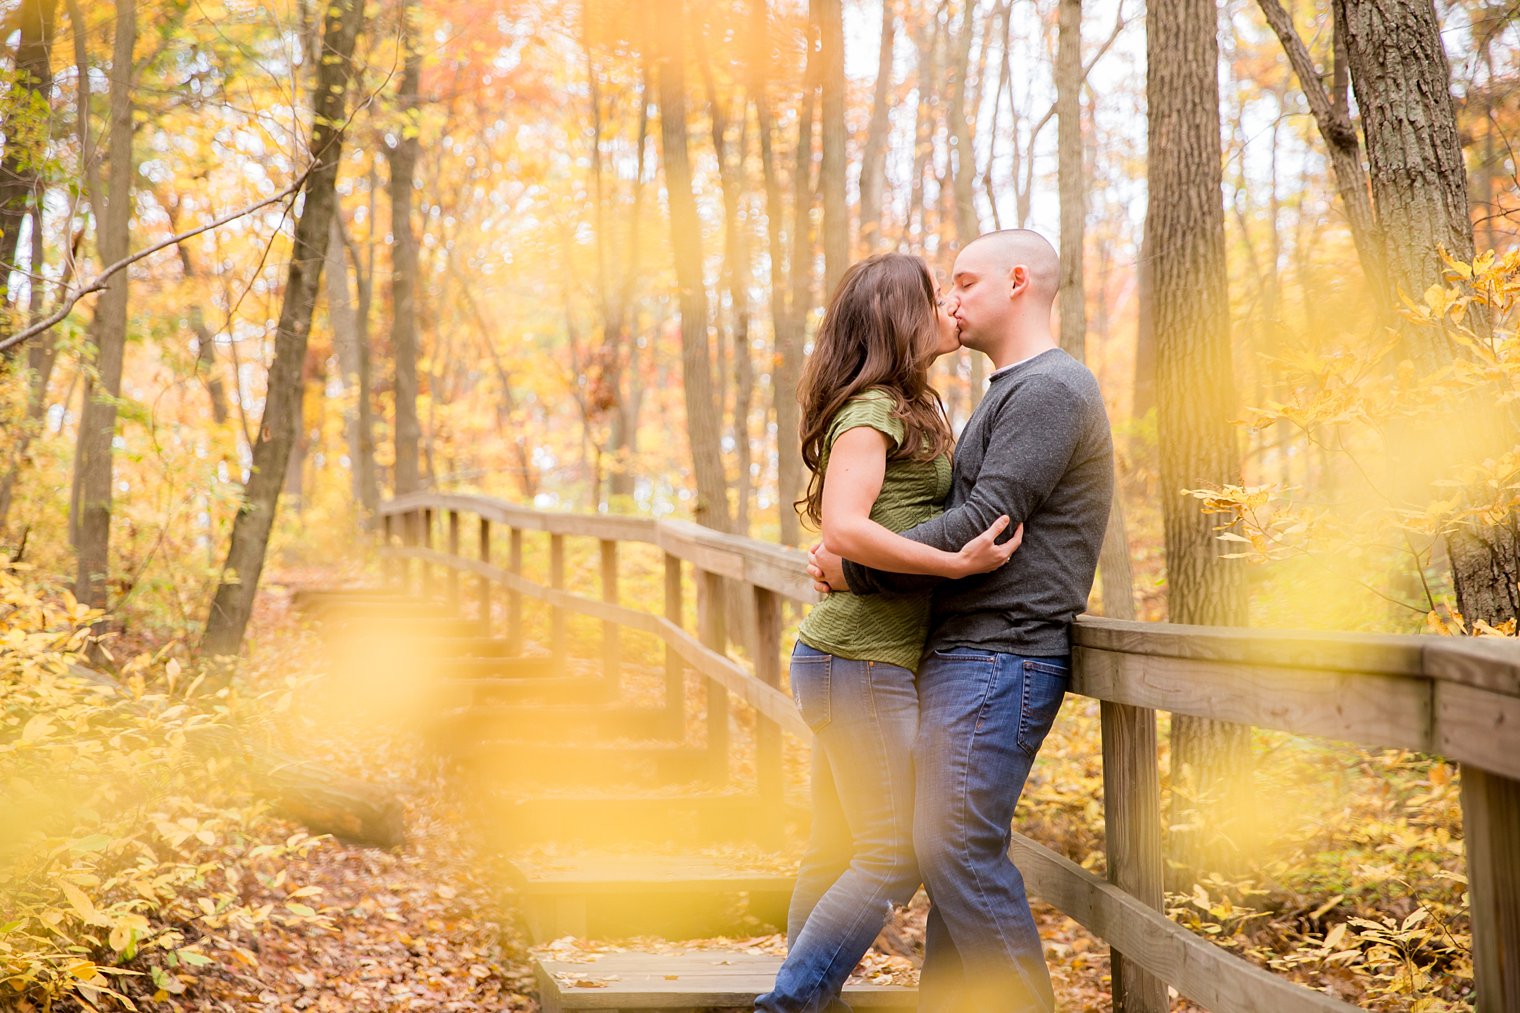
(128, 836)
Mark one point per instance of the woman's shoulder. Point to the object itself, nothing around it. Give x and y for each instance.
(873, 408)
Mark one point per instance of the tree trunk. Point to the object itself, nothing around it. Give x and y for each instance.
(90, 519)
(1145, 328)
(829, 15)
(403, 165)
(1419, 191)
(1072, 175)
(737, 269)
(962, 148)
(873, 158)
(233, 603)
(1113, 558)
(702, 418)
(1419, 182)
(26, 123)
(1195, 385)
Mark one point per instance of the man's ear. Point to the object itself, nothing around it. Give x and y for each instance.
(1018, 278)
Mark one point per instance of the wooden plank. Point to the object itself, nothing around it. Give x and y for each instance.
(675, 671)
(1478, 727)
(771, 704)
(482, 583)
(1374, 710)
(1336, 652)
(454, 552)
(690, 542)
(514, 596)
(1209, 975)
(557, 581)
(617, 528)
(683, 981)
(610, 652)
(770, 778)
(1491, 834)
(427, 543)
(1490, 663)
(712, 628)
(1132, 828)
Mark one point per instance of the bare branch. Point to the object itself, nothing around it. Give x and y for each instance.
(103, 279)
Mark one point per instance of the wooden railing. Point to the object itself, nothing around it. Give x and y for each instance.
(1456, 698)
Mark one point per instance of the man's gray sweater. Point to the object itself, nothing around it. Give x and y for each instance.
(1038, 449)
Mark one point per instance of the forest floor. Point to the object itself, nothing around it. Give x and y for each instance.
(428, 926)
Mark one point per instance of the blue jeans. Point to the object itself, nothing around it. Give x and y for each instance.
(982, 718)
(859, 863)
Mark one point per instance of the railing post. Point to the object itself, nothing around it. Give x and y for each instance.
(675, 671)
(769, 777)
(1491, 834)
(389, 567)
(557, 581)
(427, 543)
(483, 585)
(610, 629)
(1132, 826)
(514, 596)
(713, 632)
(454, 552)
(411, 537)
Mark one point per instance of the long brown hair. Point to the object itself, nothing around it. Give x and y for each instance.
(878, 333)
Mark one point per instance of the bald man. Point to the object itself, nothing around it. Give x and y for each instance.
(997, 661)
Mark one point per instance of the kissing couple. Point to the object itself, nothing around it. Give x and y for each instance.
(935, 665)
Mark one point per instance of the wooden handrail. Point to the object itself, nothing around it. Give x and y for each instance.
(1456, 698)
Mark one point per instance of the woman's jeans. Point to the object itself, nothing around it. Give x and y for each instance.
(859, 864)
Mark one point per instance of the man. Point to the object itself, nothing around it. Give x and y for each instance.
(997, 661)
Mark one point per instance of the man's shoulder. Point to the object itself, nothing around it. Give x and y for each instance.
(1054, 376)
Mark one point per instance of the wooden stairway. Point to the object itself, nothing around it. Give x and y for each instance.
(612, 822)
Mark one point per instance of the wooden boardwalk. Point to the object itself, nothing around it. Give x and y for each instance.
(592, 774)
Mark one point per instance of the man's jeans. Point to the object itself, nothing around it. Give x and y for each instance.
(982, 718)
(859, 864)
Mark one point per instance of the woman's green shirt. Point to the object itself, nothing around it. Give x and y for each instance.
(886, 628)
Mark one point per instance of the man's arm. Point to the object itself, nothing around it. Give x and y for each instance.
(1029, 447)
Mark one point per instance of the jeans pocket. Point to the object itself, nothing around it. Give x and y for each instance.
(1044, 682)
(810, 674)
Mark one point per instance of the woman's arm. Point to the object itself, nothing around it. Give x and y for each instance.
(857, 466)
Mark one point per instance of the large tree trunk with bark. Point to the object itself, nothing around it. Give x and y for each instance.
(403, 165)
(90, 518)
(233, 603)
(1194, 392)
(702, 419)
(1419, 192)
(1419, 182)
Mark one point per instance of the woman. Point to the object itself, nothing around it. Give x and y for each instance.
(875, 437)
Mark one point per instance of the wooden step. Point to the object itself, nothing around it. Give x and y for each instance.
(677, 896)
(549, 689)
(564, 722)
(442, 624)
(632, 765)
(603, 818)
(304, 598)
(683, 982)
(378, 610)
(462, 666)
